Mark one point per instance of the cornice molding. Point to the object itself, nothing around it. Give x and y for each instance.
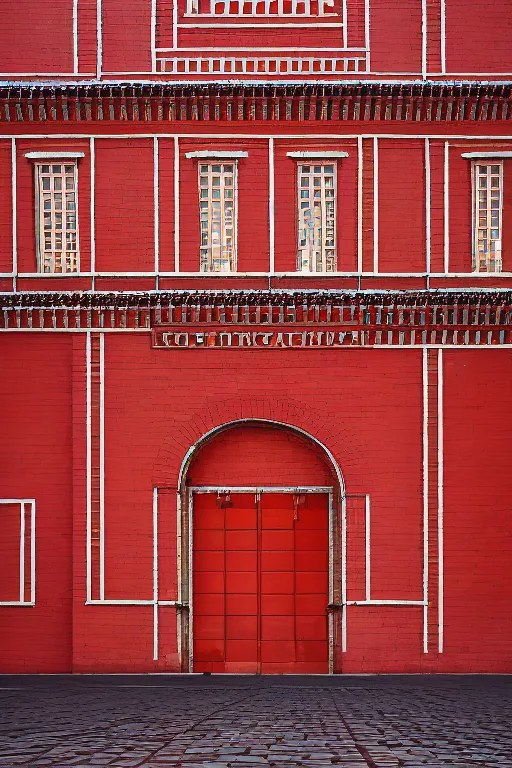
(217, 102)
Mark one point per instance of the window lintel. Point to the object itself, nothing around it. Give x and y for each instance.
(207, 154)
(486, 155)
(54, 155)
(317, 155)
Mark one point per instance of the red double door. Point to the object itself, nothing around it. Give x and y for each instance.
(260, 583)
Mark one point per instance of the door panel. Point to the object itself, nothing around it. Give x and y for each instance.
(260, 583)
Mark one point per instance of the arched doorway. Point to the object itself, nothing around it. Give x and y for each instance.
(261, 542)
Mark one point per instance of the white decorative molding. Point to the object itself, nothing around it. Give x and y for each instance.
(24, 503)
(54, 155)
(485, 155)
(317, 155)
(207, 154)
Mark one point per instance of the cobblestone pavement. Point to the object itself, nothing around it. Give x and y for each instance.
(159, 721)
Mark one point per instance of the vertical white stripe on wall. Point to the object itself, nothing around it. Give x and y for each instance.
(424, 39)
(156, 204)
(271, 205)
(446, 207)
(345, 20)
(22, 552)
(99, 38)
(33, 552)
(175, 24)
(428, 203)
(102, 466)
(153, 35)
(425, 501)
(14, 195)
(359, 204)
(443, 37)
(367, 33)
(75, 37)
(155, 574)
(176, 204)
(440, 494)
(375, 204)
(92, 148)
(88, 463)
(367, 546)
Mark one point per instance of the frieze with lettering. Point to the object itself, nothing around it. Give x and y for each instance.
(307, 337)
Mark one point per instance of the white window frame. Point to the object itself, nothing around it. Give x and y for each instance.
(259, 8)
(478, 257)
(320, 161)
(209, 162)
(40, 160)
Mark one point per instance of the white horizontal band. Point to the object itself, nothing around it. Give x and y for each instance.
(54, 155)
(211, 155)
(317, 155)
(476, 155)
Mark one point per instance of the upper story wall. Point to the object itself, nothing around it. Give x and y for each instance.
(256, 40)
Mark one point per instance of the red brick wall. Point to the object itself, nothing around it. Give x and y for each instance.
(366, 406)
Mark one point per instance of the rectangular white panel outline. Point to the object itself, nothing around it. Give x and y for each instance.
(177, 24)
(440, 496)
(23, 504)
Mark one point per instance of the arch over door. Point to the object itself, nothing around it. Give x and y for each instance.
(260, 584)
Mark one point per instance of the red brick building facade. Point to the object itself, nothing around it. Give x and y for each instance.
(255, 271)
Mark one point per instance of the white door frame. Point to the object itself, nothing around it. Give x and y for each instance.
(198, 489)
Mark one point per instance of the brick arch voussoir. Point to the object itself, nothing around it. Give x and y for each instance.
(187, 432)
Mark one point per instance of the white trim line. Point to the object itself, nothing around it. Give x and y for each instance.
(88, 463)
(317, 155)
(75, 37)
(375, 204)
(156, 203)
(153, 35)
(424, 66)
(344, 17)
(446, 194)
(440, 496)
(343, 571)
(99, 39)
(155, 574)
(443, 37)
(367, 33)
(53, 155)
(92, 150)
(387, 602)
(23, 527)
(214, 155)
(263, 489)
(359, 204)
(33, 552)
(367, 547)
(176, 202)
(102, 466)
(425, 500)
(428, 207)
(483, 155)
(271, 205)
(22, 552)
(174, 25)
(14, 192)
(247, 136)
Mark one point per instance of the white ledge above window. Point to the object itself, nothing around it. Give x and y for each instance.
(484, 155)
(54, 155)
(317, 155)
(208, 154)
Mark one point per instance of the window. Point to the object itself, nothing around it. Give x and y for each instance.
(218, 216)
(487, 216)
(316, 218)
(56, 217)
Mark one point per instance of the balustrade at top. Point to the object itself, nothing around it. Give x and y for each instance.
(285, 8)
